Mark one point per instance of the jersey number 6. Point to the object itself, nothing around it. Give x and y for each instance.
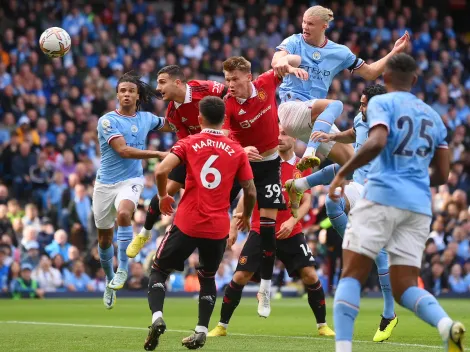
(208, 170)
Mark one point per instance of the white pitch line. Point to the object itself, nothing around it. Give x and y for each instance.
(231, 334)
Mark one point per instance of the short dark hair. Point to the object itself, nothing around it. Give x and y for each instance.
(146, 92)
(373, 90)
(174, 71)
(212, 109)
(402, 64)
(237, 63)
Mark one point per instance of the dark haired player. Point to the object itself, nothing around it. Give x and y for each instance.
(338, 210)
(182, 116)
(291, 248)
(119, 181)
(406, 139)
(213, 162)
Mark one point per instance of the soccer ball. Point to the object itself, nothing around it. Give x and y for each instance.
(55, 42)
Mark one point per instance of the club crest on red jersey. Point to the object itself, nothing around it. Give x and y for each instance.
(297, 174)
(262, 95)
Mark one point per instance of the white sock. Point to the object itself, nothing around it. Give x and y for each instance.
(444, 327)
(223, 325)
(321, 324)
(309, 151)
(265, 285)
(343, 346)
(301, 184)
(145, 232)
(156, 315)
(200, 328)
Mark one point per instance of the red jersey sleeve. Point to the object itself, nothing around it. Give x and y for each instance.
(244, 172)
(179, 149)
(216, 88)
(175, 124)
(270, 78)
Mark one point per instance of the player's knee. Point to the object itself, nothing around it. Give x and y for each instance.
(336, 106)
(124, 217)
(242, 277)
(157, 280)
(333, 208)
(308, 275)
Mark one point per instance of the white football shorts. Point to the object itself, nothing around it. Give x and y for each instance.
(106, 199)
(296, 119)
(374, 226)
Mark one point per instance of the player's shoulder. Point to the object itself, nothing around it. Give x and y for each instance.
(107, 120)
(294, 38)
(333, 45)
(264, 78)
(358, 119)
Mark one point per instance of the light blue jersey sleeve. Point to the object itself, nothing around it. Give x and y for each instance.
(291, 45)
(108, 128)
(156, 121)
(399, 176)
(361, 129)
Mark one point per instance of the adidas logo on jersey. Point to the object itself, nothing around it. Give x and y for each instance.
(276, 201)
(184, 119)
(241, 112)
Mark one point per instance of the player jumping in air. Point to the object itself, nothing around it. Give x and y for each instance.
(406, 138)
(119, 181)
(337, 210)
(182, 116)
(213, 162)
(303, 108)
(291, 248)
(251, 117)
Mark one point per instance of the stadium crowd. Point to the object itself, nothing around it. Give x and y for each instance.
(49, 111)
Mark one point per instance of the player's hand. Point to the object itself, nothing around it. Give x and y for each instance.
(402, 43)
(320, 136)
(286, 229)
(299, 73)
(337, 187)
(252, 154)
(281, 68)
(165, 205)
(243, 222)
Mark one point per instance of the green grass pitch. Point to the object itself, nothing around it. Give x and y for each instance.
(85, 325)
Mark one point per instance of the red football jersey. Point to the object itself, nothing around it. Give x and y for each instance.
(212, 163)
(183, 118)
(254, 121)
(288, 171)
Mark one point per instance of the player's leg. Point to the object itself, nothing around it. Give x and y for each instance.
(176, 180)
(324, 112)
(295, 253)
(248, 263)
(104, 215)
(405, 249)
(370, 229)
(125, 203)
(389, 318)
(337, 212)
(174, 249)
(211, 253)
(267, 177)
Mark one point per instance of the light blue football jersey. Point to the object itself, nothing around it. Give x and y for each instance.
(399, 176)
(134, 129)
(322, 63)
(362, 133)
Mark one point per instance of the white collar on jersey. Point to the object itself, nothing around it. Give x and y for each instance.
(291, 160)
(187, 98)
(254, 93)
(211, 131)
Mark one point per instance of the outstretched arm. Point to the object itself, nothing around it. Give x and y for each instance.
(126, 152)
(374, 70)
(345, 137)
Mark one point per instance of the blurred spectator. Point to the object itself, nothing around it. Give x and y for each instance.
(59, 246)
(436, 280)
(25, 286)
(456, 281)
(77, 280)
(21, 179)
(137, 279)
(48, 278)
